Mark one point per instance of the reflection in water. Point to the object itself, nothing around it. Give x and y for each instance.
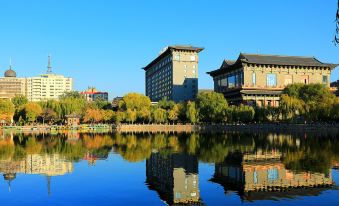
(264, 176)
(174, 177)
(257, 166)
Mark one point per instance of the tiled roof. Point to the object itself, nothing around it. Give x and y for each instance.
(281, 60)
(271, 60)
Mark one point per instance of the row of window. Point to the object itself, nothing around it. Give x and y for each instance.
(177, 57)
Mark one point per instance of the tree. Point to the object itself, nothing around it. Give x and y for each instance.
(191, 112)
(19, 100)
(291, 106)
(118, 117)
(48, 115)
(313, 100)
(71, 94)
(145, 115)
(173, 113)
(6, 110)
(71, 105)
(131, 115)
(159, 115)
(93, 116)
(166, 104)
(135, 101)
(31, 111)
(211, 106)
(108, 115)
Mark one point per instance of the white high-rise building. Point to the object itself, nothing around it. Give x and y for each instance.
(47, 86)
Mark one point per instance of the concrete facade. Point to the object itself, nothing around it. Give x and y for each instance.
(173, 74)
(259, 79)
(47, 87)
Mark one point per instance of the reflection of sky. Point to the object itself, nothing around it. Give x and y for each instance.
(111, 181)
(117, 182)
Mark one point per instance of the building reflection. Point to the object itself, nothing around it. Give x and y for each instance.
(262, 176)
(48, 165)
(174, 177)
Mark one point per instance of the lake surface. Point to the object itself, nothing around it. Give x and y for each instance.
(158, 169)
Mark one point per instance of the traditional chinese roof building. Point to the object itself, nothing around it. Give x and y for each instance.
(259, 79)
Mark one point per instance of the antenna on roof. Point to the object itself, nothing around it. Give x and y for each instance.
(10, 63)
(49, 66)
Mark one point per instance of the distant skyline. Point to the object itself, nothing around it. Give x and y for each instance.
(105, 44)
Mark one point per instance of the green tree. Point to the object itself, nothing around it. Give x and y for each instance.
(19, 100)
(131, 115)
(159, 115)
(145, 115)
(71, 94)
(191, 112)
(211, 106)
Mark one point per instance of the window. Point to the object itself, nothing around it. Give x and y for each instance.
(192, 58)
(223, 82)
(231, 81)
(253, 79)
(272, 174)
(255, 177)
(271, 80)
(325, 79)
(177, 57)
(177, 195)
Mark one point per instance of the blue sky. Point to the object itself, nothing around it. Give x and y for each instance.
(105, 43)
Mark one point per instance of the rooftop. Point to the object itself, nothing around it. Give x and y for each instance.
(268, 59)
(171, 48)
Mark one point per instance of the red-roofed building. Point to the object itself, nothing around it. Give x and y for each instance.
(91, 94)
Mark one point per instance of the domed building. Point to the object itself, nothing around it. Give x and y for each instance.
(10, 73)
(10, 85)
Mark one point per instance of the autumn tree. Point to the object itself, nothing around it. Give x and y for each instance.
(173, 113)
(31, 111)
(6, 110)
(93, 116)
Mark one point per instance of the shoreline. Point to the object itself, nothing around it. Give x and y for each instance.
(180, 128)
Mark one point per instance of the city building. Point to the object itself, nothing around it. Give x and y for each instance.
(91, 94)
(173, 74)
(47, 86)
(259, 80)
(174, 177)
(10, 85)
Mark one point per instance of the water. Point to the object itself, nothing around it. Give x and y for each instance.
(116, 169)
